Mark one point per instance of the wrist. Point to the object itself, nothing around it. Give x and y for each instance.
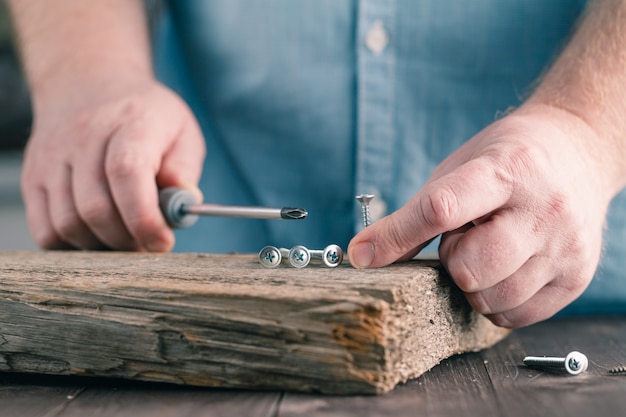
(600, 155)
(588, 82)
(79, 82)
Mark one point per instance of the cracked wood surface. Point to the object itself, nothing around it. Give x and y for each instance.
(225, 321)
(492, 382)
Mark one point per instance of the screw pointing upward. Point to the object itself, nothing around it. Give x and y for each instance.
(365, 199)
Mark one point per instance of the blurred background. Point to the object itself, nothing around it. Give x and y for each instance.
(15, 119)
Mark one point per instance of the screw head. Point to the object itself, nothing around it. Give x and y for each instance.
(364, 199)
(270, 257)
(332, 256)
(299, 256)
(576, 362)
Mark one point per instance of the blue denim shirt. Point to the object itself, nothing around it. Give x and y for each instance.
(308, 103)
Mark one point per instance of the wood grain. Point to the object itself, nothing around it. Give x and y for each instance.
(495, 382)
(226, 321)
(492, 382)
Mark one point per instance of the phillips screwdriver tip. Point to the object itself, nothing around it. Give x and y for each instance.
(290, 213)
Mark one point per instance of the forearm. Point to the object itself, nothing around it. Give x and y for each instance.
(589, 81)
(79, 42)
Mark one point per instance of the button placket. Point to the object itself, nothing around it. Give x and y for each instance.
(375, 105)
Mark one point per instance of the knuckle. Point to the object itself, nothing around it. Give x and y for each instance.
(503, 320)
(397, 236)
(519, 317)
(516, 161)
(440, 209)
(462, 275)
(577, 280)
(479, 302)
(141, 224)
(572, 284)
(68, 227)
(124, 163)
(144, 227)
(93, 210)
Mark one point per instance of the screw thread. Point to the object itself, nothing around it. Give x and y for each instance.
(618, 370)
(574, 363)
(365, 212)
(365, 199)
(544, 361)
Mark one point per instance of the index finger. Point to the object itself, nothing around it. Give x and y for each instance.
(469, 192)
(132, 161)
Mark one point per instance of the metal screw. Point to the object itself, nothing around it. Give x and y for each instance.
(331, 255)
(299, 256)
(271, 256)
(618, 370)
(365, 199)
(574, 363)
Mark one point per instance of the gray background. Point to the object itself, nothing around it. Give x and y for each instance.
(13, 229)
(14, 127)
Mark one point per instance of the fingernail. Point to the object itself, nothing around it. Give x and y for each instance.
(362, 255)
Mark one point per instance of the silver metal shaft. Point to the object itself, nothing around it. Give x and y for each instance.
(574, 363)
(181, 209)
(287, 213)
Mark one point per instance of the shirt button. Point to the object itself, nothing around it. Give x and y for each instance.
(377, 38)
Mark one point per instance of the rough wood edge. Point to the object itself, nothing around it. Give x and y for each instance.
(447, 326)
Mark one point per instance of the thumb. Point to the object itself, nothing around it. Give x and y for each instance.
(384, 242)
(447, 203)
(181, 166)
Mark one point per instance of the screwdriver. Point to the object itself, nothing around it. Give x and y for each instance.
(181, 209)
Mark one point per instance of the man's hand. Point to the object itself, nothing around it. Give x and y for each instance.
(521, 210)
(93, 165)
(521, 206)
(106, 135)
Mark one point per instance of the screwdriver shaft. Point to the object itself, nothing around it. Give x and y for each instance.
(243, 211)
(181, 209)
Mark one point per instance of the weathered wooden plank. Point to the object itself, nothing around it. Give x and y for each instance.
(226, 321)
(458, 386)
(495, 382)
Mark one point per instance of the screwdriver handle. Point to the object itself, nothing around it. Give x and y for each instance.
(171, 201)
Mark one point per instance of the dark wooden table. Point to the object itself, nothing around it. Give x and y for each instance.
(493, 382)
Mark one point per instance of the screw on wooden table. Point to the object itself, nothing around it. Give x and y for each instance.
(299, 256)
(331, 255)
(271, 256)
(574, 363)
(618, 370)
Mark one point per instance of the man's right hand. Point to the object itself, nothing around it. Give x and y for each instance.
(106, 135)
(93, 166)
